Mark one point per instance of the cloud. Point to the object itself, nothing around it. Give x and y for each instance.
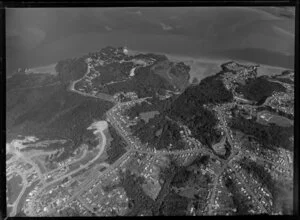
(166, 27)
(108, 28)
(173, 17)
(135, 12)
(138, 12)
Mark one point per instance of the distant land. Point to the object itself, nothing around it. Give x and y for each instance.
(257, 35)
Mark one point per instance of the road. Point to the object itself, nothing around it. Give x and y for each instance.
(215, 183)
(95, 176)
(250, 191)
(101, 96)
(213, 192)
(101, 146)
(204, 151)
(67, 164)
(236, 153)
(26, 159)
(92, 179)
(134, 147)
(273, 163)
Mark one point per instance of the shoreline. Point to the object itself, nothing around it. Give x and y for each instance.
(193, 62)
(179, 57)
(190, 59)
(46, 69)
(202, 67)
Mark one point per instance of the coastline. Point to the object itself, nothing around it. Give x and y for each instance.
(202, 67)
(180, 57)
(47, 69)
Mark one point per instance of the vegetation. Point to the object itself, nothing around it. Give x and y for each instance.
(180, 69)
(25, 81)
(258, 173)
(153, 104)
(280, 190)
(117, 146)
(112, 72)
(145, 82)
(174, 205)
(273, 111)
(62, 115)
(168, 202)
(138, 199)
(149, 83)
(209, 90)
(200, 121)
(157, 57)
(188, 108)
(259, 89)
(159, 132)
(71, 69)
(166, 174)
(176, 74)
(201, 160)
(181, 177)
(285, 80)
(270, 136)
(242, 204)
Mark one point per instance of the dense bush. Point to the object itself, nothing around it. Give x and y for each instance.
(259, 89)
(71, 69)
(174, 205)
(169, 133)
(270, 136)
(280, 190)
(242, 204)
(116, 148)
(138, 200)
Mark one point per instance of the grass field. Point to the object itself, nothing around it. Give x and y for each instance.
(14, 187)
(50, 69)
(266, 117)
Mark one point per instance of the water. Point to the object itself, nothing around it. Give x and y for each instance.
(227, 33)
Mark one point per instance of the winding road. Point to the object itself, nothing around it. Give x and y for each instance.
(101, 146)
(101, 126)
(102, 96)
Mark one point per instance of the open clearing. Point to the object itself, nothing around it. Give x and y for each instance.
(49, 69)
(266, 117)
(14, 187)
(146, 116)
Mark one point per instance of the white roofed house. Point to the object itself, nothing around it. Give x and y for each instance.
(125, 50)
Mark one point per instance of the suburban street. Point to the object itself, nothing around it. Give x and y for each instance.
(114, 118)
